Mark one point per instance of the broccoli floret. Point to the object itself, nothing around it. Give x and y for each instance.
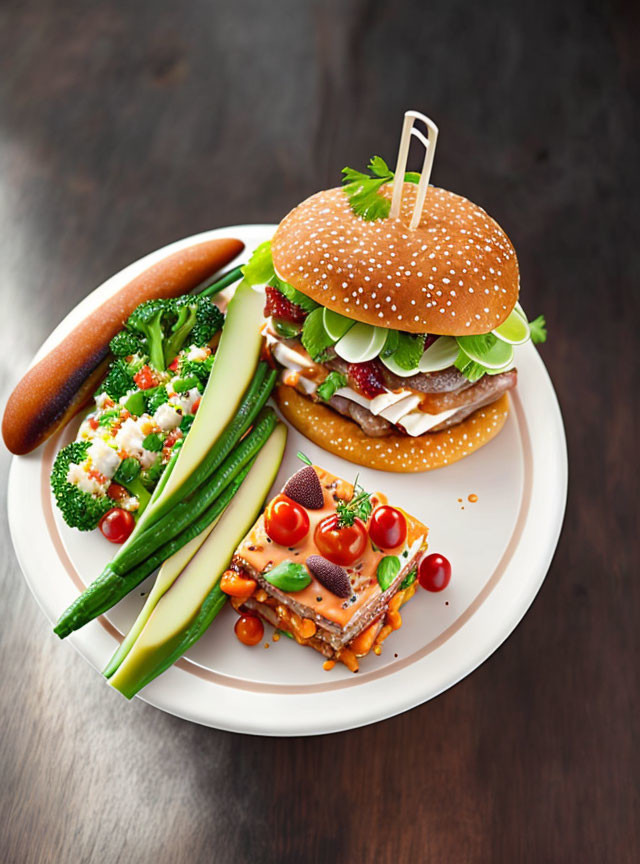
(147, 319)
(128, 475)
(201, 369)
(79, 509)
(126, 342)
(157, 398)
(209, 319)
(119, 380)
(196, 320)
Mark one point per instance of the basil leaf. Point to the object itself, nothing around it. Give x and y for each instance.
(388, 569)
(391, 343)
(409, 579)
(314, 337)
(472, 371)
(288, 576)
(293, 295)
(409, 351)
(334, 381)
(153, 443)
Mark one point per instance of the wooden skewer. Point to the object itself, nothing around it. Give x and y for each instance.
(429, 144)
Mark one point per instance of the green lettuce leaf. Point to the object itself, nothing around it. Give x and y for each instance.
(334, 381)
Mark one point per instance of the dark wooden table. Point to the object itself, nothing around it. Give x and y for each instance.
(126, 125)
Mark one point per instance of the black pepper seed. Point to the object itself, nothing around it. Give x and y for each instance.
(318, 599)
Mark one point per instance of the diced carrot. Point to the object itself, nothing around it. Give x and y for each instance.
(394, 620)
(237, 586)
(361, 645)
(349, 659)
(409, 592)
(396, 601)
(328, 665)
(307, 628)
(382, 635)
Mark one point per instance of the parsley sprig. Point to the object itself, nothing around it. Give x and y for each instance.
(358, 508)
(538, 329)
(362, 189)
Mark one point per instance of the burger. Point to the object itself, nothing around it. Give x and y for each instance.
(396, 344)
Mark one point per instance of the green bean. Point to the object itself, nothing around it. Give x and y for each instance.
(189, 509)
(224, 281)
(257, 394)
(109, 588)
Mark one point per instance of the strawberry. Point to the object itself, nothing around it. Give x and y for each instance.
(366, 378)
(278, 306)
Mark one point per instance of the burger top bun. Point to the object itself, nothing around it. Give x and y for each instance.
(456, 274)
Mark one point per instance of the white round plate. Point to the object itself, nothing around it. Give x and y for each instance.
(500, 548)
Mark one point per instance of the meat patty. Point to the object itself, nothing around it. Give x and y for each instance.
(374, 427)
(468, 400)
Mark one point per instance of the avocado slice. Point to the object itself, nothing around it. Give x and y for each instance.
(177, 600)
(233, 368)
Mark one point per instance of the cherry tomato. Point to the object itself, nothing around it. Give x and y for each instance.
(145, 378)
(173, 366)
(117, 524)
(341, 544)
(118, 493)
(434, 572)
(285, 521)
(172, 437)
(388, 527)
(249, 629)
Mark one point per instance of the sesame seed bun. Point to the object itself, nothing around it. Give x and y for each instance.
(398, 453)
(456, 274)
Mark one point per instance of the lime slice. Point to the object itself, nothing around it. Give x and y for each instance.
(361, 343)
(489, 351)
(440, 355)
(520, 311)
(514, 330)
(335, 324)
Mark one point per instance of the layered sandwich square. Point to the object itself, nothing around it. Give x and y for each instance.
(329, 565)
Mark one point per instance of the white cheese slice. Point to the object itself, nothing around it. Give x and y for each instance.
(400, 409)
(287, 357)
(386, 400)
(417, 422)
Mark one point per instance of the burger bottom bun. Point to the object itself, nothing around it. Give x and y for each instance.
(399, 453)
